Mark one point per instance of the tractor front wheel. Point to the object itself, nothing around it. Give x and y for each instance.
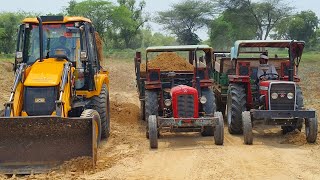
(219, 129)
(247, 127)
(153, 131)
(311, 125)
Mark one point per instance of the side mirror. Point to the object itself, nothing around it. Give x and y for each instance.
(19, 56)
(83, 56)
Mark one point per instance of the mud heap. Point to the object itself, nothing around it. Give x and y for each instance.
(168, 61)
(99, 46)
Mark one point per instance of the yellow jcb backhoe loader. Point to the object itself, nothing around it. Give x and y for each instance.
(59, 105)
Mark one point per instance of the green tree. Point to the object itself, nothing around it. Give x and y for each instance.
(301, 26)
(9, 23)
(232, 25)
(185, 18)
(98, 11)
(265, 15)
(127, 21)
(156, 39)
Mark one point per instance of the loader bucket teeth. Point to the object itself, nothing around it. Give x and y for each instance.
(37, 144)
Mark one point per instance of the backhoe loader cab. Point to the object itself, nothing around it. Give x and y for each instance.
(59, 105)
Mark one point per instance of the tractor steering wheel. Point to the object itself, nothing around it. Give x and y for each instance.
(269, 76)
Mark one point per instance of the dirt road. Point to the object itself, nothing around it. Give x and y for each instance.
(126, 155)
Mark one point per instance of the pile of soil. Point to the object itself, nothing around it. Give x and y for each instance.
(79, 164)
(295, 137)
(168, 61)
(99, 46)
(124, 112)
(6, 81)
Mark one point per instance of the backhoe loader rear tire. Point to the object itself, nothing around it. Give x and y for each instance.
(101, 104)
(91, 113)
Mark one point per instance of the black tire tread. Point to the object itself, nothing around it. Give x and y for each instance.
(219, 129)
(247, 128)
(209, 108)
(151, 103)
(153, 131)
(101, 104)
(238, 105)
(89, 113)
(311, 126)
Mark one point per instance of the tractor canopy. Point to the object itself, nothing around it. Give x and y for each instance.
(259, 46)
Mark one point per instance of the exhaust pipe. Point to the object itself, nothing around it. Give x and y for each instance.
(40, 38)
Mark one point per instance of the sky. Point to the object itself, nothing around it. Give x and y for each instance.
(152, 7)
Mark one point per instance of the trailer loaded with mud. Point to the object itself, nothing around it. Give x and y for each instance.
(175, 94)
(251, 93)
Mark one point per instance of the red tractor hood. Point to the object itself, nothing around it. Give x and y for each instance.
(183, 89)
(181, 105)
(267, 83)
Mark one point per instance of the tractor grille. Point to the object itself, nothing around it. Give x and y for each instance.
(185, 105)
(282, 102)
(40, 100)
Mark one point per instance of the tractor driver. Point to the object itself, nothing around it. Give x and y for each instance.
(265, 70)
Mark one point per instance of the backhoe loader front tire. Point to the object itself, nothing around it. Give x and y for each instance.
(91, 113)
(101, 104)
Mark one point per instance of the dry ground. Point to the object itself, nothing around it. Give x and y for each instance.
(126, 155)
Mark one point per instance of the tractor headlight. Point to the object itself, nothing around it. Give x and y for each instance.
(290, 95)
(203, 100)
(274, 95)
(167, 102)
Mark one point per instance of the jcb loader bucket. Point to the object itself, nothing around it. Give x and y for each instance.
(37, 144)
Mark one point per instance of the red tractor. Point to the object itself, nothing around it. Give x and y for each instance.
(274, 97)
(179, 101)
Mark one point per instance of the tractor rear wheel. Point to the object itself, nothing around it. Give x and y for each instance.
(311, 125)
(219, 129)
(151, 103)
(209, 108)
(151, 106)
(101, 104)
(91, 113)
(236, 104)
(247, 127)
(142, 110)
(153, 131)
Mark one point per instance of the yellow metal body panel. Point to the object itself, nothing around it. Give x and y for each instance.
(66, 19)
(24, 114)
(66, 98)
(100, 79)
(45, 73)
(18, 100)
